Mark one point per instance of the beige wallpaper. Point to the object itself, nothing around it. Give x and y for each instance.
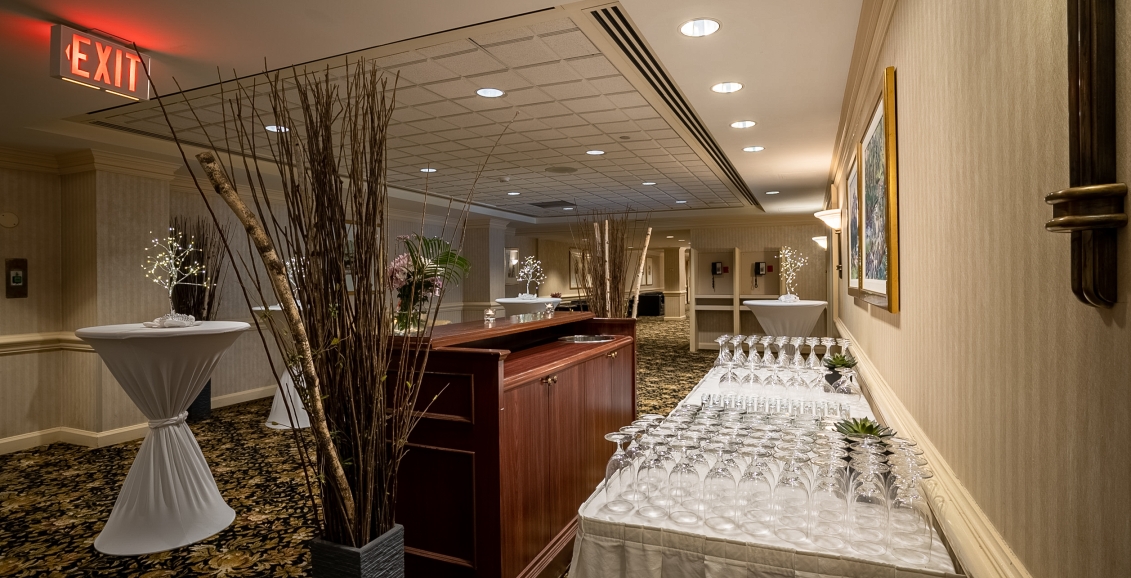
(1022, 388)
(34, 198)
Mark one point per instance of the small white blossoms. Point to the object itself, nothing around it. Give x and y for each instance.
(169, 264)
(531, 272)
(791, 262)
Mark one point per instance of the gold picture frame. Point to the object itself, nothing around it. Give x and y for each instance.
(877, 166)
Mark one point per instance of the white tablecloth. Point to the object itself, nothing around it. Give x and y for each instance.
(280, 418)
(516, 306)
(169, 498)
(783, 319)
(610, 545)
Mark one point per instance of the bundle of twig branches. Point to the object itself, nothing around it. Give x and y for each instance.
(200, 296)
(604, 269)
(324, 252)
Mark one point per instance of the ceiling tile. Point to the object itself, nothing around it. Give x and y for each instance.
(548, 73)
(468, 120)
(416, 95)
(613, 84)
(589, 104)
(604, 116)
(593, 66)
(522, 52)
(575, 89)
(457, 88)
(570, 44)
(471, 63)
(563, 121)
(527, 96)
(442, 108)
(626, 99)
(424, 72)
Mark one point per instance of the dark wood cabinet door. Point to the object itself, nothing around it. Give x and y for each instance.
(608, 407)
(569, 483)
(524, 475)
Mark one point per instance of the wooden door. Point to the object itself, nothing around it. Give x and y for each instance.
(608, 407)
(569, 484)
(524, 482)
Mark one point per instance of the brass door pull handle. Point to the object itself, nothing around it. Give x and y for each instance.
(550, 380)
(612, 354)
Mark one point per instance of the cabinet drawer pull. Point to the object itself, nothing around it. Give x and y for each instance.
(612, 354)
(550, 380)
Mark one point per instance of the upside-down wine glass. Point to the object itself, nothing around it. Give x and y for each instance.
(828, 342)
(812, 362)
(618, 474)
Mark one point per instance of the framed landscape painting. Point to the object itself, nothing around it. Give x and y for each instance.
(852, 203)
(879, 210)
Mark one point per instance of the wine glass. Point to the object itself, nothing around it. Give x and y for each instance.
(724, 355)
(868, 508)
(618, 474)
(683, 481)
(910, 524)
(829, 502)
(828, 342)
(812, 362)
(791, 498)
(650, 478)
(739, 357)
(844, 344)
(796, 362)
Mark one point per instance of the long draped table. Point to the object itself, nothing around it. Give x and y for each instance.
(169, 498)
(612, 545)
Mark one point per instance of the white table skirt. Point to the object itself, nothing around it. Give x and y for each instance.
(280, 418)
(169, 498)
(779, 318)
(516, 306)
(610, 545)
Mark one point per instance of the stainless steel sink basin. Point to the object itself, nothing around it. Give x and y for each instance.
(587, 338)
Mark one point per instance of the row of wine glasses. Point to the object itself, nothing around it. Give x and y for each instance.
(760, 471)
(788, 354)
(797, 407)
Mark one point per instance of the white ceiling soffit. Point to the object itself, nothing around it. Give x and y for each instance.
(576, 79)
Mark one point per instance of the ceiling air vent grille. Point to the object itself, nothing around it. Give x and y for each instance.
(617, 26)
(553, 204)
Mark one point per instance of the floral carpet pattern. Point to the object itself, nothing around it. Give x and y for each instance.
(54, 500)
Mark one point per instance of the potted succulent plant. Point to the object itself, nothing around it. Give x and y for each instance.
(860, 427)
(835, 362)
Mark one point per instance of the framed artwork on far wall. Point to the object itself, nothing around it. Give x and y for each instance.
(879, 208)
(648, 280)
(852, 203)
(576, 269)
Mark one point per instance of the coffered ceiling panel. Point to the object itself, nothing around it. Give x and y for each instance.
(563, 97)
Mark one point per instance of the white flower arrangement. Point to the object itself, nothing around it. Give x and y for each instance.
(531, 272)
(791, 262)
(170, 264)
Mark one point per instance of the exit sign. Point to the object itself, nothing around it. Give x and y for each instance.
(97, 62)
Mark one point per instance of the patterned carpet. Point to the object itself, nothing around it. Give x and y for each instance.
(55, 499)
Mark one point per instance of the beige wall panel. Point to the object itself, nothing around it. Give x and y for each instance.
(79, 386)
(1023, 389)
(554, 256)
(810, 280)
(28, 393)
(132, 210)
(79, 251)
(34, 198)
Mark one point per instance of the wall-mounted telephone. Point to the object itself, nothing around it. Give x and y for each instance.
(759, 270)
(716, 270)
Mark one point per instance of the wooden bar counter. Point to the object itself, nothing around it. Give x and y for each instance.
(514, 444)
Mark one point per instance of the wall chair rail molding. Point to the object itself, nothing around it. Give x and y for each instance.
(1092, 209)
(980, 548)
(40, 342)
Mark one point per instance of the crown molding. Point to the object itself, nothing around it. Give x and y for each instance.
(100, 160)
(21, 160)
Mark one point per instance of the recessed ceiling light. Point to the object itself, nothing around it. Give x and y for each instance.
(276, 128)
(743, 124)
(772, 192)
(753, 149)
(699, 27)
(671, 236)
(647, 183)
(594, 152)
(514, 193)
(726, 87)
(428, 170)
(567, 208)
(680, 202)
(490, 92)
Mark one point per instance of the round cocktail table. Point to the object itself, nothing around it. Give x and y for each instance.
(516, 306)
(782, 319)
(169, 498)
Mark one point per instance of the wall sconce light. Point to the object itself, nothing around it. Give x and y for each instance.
(831, 217)
(823, 241)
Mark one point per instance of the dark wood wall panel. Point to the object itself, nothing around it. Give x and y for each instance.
(524, 475)
(570, 480)
(438, 508)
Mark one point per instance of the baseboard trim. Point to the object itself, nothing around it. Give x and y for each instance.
(220, 401)
(980, 548)
(80, 437)
(42, 342)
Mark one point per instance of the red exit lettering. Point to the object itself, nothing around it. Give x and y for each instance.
(98, 62)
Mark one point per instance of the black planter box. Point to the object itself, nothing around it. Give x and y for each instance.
(201, 407)
(381, 558)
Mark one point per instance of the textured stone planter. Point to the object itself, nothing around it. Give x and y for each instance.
(381, 558)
